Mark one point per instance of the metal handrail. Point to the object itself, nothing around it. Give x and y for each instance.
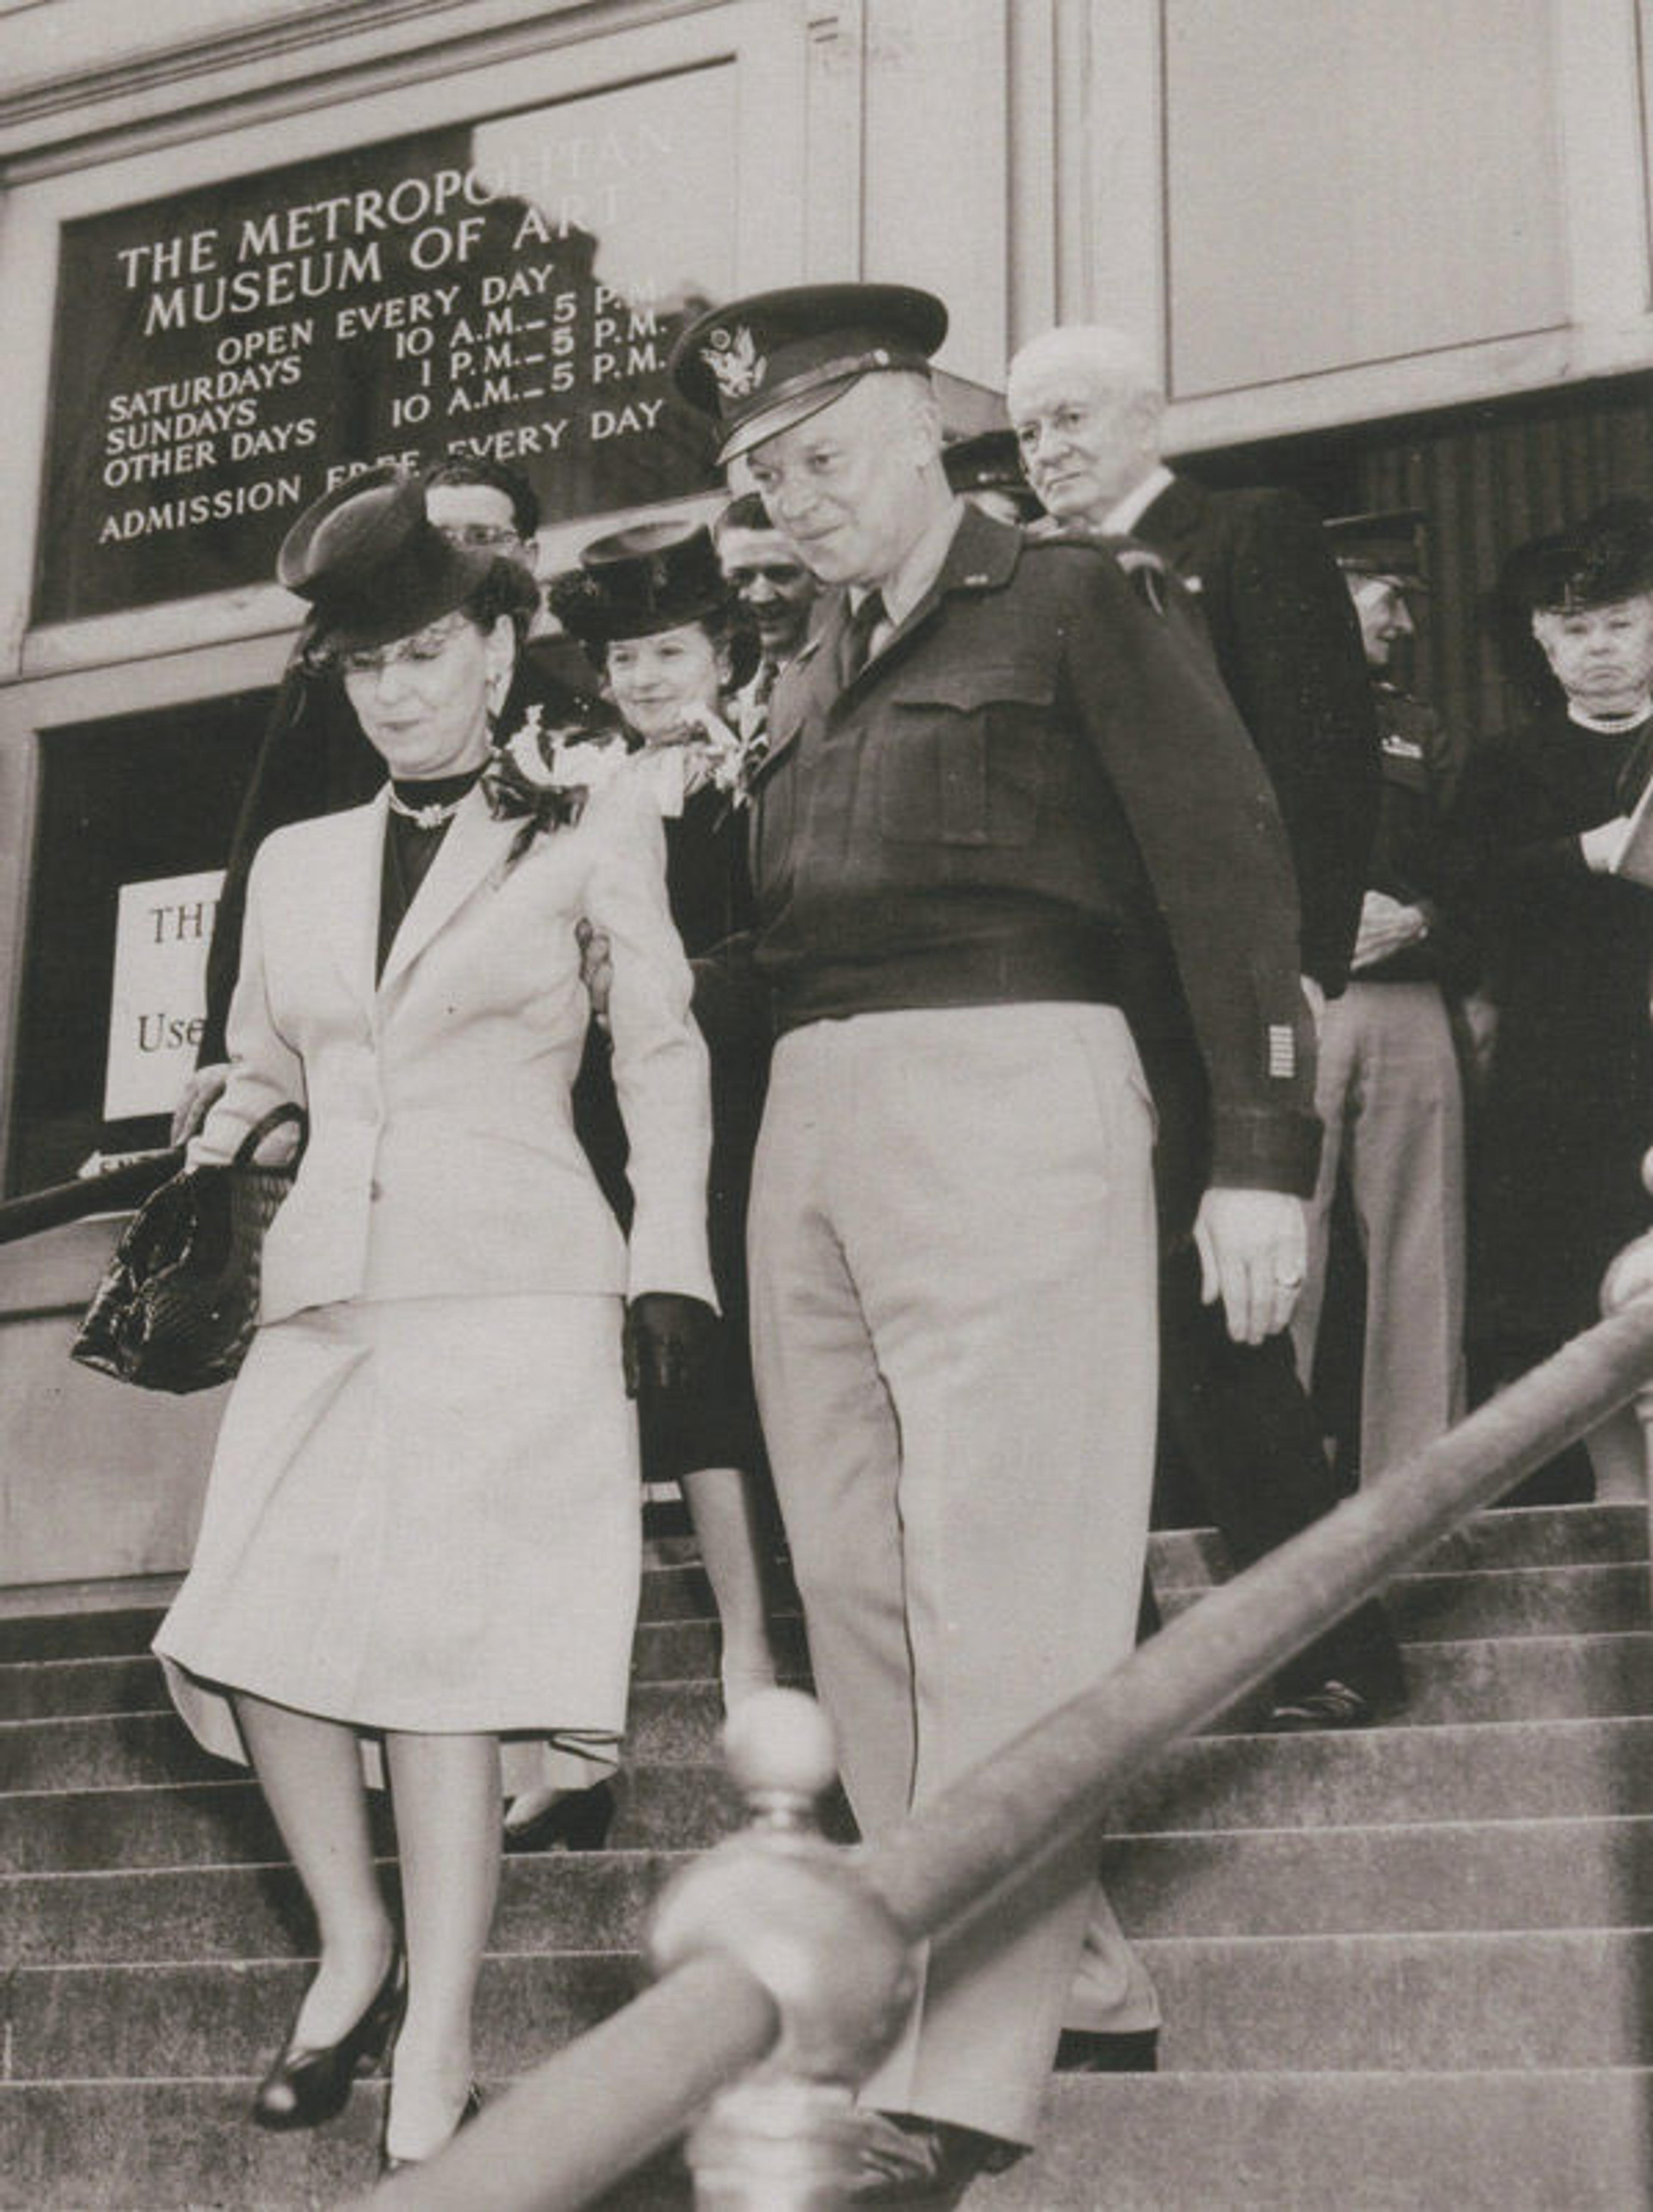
(110, 1190)
(579, 2123)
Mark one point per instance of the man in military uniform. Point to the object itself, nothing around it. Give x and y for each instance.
(1390, 1094)
(974, 838)
(1239, 1429)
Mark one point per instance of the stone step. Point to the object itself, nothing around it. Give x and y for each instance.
(1510, 1770)
(1514, 2141)
(225, 1823)
(42, 1624)
(673, 1714)
(1507, 2140)
(33, 1627)
(1375, 1778)
(223, 2019)
(1446, 1877)
(1409, 1877)
(552, 1901)
(1381, 2004)
(1534, 1536)
(182, 2146)
(1500, 1601)
(668, 1721)
(679, 1652)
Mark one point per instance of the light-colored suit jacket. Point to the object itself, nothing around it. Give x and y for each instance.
(442, 1157)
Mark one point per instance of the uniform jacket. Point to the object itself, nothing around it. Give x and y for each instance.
(1029, 768)
(1287, 642)
(442, 1157)
(1421, 763)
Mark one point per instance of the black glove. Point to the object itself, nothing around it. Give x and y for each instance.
(665, 1341)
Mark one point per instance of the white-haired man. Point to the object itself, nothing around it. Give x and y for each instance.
(1242, 1434)
(973, 838)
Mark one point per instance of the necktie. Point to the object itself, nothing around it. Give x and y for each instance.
(857, 640)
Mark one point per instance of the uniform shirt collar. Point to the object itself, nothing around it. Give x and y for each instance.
(1123, 516)
(924, 562)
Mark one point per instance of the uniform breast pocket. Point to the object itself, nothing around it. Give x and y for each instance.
(964, 759)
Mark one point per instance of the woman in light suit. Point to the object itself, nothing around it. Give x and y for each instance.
(431, 1430)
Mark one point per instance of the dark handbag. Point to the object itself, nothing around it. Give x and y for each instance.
(179, 1301)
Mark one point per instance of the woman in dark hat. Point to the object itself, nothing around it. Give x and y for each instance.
(1567, 943)
(421, 1531)
(651, 608)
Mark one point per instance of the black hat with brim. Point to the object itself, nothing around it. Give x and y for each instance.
(1606, 558)
(640, 581)
(764, 363)
(373, 566)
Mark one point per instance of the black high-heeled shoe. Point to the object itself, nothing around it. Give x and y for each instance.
(468, 2112)
(309, 2082)
(579, 1822)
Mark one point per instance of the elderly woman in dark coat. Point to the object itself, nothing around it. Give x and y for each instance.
(1567, 1109)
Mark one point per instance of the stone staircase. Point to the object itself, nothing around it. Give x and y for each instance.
(1409, 1968)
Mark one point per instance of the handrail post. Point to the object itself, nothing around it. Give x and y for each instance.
(799, 1917)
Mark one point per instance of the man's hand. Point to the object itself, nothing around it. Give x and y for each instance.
(595, 969)
(1253, 1248)
(1603, 845)
(665, 1341)
(201, 1093)
(1386, 927)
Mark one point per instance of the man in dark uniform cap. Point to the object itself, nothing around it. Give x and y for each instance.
(987, 470)
(973, 838)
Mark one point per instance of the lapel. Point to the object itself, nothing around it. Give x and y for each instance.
(474, 842)
(1174, 524)
(351, 892)
(805, 688)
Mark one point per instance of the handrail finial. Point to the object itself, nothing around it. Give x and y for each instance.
(803, 1920)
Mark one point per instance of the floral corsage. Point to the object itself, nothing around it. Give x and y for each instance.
(544, 778)
(722, 757)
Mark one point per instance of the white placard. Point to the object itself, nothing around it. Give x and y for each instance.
(157, 1005)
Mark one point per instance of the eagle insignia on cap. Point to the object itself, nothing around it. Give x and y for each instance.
(734, 360)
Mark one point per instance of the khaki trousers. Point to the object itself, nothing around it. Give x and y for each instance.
(1389, 1096)
(952, 1264)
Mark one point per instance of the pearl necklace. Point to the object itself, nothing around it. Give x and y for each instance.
(425, 818)
(1611, 725)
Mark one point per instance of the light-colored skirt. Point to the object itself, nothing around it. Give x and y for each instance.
(423, 1514)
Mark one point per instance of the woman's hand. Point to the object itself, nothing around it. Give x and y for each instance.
(201, 1094)
(665, 1341)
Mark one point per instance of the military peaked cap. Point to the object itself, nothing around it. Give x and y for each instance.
(763, 363)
